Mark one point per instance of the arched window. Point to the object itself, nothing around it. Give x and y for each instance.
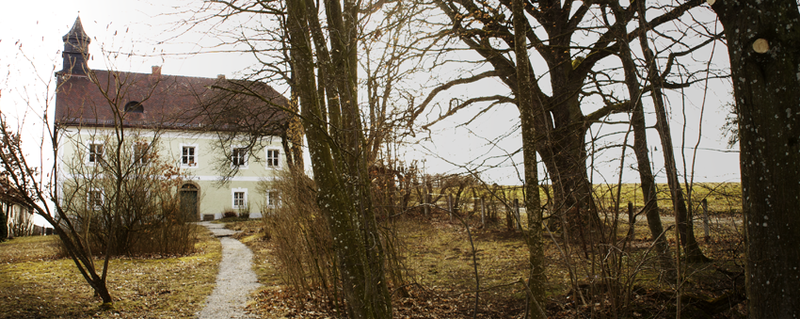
(134, 107)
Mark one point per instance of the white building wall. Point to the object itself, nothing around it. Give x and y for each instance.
(215, 197)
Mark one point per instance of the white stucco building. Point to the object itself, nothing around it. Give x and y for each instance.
(197, 125)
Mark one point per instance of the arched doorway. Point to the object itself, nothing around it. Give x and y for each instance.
(190, 205)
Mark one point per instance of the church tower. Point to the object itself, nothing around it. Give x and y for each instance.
(76, 50)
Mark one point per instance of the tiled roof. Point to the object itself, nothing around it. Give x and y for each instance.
(168, 102)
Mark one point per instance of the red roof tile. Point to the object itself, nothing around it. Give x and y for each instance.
(169, 102)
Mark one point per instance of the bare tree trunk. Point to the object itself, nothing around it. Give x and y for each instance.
(683, 217)
(640, 148)
(763, 48)
(337, 160)
(565, 158)
(292, 140)
(537, 276)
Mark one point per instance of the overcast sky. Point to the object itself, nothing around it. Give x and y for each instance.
(35, 28)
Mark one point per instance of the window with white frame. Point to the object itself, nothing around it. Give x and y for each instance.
(273, 199)
(95, 153)
(239, 157)
(239, 198)
(188, 155)
(273, 158)
(94, 199)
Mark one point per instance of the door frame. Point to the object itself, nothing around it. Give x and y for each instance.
(193, 187)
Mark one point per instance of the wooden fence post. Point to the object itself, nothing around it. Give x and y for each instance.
(631, 221)
(426, 198)
(483, 211)
(631, 216)
(516, 214)
(450, 206)
(509, 216)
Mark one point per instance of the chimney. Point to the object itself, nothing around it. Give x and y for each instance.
(220, 76)
(156, 71)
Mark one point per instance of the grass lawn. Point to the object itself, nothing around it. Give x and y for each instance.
(37, 283)
(440, 274)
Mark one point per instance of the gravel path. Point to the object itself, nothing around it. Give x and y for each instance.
(236, 278)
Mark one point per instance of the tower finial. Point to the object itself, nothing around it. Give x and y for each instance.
(76, 49)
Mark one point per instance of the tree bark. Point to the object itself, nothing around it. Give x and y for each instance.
(336, 151)
(764, 49)
(537, 277)
(564, 156)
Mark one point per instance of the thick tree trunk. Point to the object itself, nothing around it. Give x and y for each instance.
(763, 45)
(564, 157)
(558, 122)
(561, 141)
(336, 157)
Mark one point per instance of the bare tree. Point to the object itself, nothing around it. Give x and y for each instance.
(107, 187)
(39, 191)
(683, 216)
(556, 32)
(637, 123)
(10, 196)
(336, 144)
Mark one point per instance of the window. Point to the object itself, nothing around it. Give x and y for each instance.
(188, 157)
(272, 199)
(239, 198)
(239, 157)
(273, 158)
(95, 153)
(134, 107)
(94, 199)
(140, 153)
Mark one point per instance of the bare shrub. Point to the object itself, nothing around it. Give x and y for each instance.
(136, 213)
(303, 241)
(149, 225)
(229, 214)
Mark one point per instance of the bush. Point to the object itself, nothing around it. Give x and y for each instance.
(229, 214)
(157, 229)
(303, 242)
